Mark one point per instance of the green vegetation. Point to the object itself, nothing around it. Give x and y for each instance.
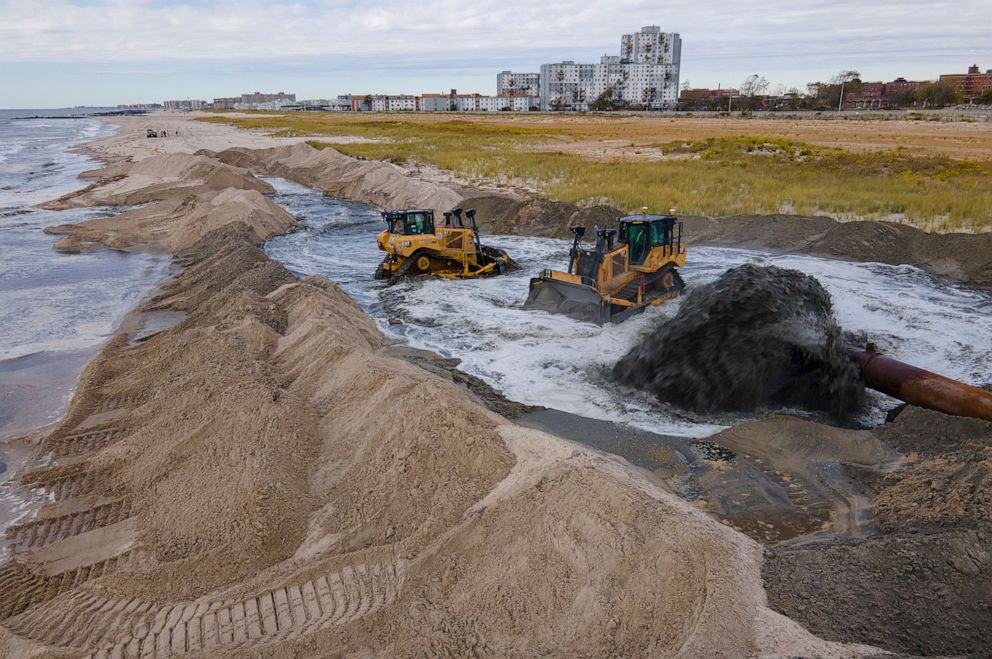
(716, 176)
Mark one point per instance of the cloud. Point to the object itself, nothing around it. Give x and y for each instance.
(398, 45)
(146, 30)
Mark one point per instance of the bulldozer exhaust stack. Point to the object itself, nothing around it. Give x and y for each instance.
(920, 387)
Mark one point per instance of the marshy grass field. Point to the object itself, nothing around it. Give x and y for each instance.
(936, 175)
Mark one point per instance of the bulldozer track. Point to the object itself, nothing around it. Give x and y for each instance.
(23, 588)
(86, 442)
(43, 532)
(121, 403)
(60, 485)
(136, 628)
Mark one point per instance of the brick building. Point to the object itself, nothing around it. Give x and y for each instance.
(972, 83)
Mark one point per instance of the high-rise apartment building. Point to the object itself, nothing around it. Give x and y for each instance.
(644, 75)
(510, 83)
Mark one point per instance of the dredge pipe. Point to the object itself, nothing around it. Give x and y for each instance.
(921, 388)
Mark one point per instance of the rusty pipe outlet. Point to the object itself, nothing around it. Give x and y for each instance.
(921, 388)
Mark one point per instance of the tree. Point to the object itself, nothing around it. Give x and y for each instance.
(754, 85)
(606, 101)
(845, 76)
(686, 85)
(937, 94)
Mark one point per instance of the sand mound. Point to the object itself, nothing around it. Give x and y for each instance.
(179, 223)
(215, 195)
(167, 176)
(929, 548)
(385, 185)
(965, 258)
(372, 182)
(757, 337)
(264, 477)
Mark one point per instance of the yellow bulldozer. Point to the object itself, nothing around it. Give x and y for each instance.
(611, 282)
(415, 246)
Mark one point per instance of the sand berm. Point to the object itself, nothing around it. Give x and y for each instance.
(266, 478)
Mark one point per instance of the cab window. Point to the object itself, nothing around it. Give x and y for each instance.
(638, 236)
(415, 223)
(418, 223)
(659, 233)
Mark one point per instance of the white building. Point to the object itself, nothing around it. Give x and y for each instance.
(187, 104)
(508, 82)
(275, 104)
(567, 86)
(644, 75)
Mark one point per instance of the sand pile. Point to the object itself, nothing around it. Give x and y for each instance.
(964, 258)
(178, 222)
(372, 182)
(386, 185)
(920, 583)
(167, 176)
(189, 197)
(757, 337)
(265, 477)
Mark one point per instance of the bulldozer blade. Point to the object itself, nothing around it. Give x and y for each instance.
(573, 300)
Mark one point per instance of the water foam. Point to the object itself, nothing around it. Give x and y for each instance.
(543, 359)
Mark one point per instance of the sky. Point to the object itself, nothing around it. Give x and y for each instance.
(58, 53)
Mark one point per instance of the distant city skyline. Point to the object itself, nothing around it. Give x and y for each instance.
(95, 52)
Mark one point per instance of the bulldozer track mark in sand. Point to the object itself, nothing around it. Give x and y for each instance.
(43, 532)
(136, 628)
(81, 443)
(60, 485)
(23, 588)
(121, 403)
(694, 621)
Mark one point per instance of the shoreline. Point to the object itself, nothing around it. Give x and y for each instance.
(56, 373)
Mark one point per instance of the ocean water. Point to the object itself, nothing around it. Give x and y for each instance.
(544, 359)
(55, 309)
(56, 302)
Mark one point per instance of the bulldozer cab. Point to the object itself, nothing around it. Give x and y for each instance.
(410, 223)
(585, 262)
(642, 233)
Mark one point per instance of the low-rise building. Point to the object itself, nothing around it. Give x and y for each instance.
(226, 103)
(972, 83)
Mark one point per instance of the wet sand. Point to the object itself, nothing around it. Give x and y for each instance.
(35, 389)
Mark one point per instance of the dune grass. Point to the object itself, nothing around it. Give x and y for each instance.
(714, 176)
